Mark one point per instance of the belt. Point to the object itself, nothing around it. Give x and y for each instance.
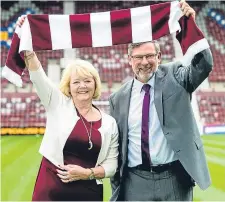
(159, 168)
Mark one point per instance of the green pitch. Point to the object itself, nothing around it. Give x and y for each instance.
(20, 163)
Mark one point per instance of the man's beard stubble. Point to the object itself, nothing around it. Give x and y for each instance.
(143, 76)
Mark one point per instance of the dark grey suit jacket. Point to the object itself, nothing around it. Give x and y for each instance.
(174, 84)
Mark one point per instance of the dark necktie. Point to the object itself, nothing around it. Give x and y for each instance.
(145, 127)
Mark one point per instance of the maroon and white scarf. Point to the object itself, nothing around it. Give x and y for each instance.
(54, 32)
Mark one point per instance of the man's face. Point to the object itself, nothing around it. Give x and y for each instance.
(144, 61)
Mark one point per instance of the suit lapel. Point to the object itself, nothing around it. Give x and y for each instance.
(159, 82)
(125, 102)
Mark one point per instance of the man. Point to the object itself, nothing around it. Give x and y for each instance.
(164, 161)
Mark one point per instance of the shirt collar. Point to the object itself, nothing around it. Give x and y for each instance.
(138, 85)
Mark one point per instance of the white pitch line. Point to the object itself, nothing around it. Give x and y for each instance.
(218, 150)
(210, 194)
(214, 142)
(215, 160)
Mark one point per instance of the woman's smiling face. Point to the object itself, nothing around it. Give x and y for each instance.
(82, 88)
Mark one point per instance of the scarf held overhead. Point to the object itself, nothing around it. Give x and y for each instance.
(134, 25)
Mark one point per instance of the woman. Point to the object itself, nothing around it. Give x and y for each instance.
(80, 144)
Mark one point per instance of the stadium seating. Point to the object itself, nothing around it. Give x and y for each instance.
(211, 107)
(218, 73)
(25, 109)
(101, 6)
(8, 20)
(219, 34)
(211, 20)
(21, 110)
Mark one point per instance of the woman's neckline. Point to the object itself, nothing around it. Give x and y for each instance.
(78, 113)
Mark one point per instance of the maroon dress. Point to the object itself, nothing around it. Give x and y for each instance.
(49, 187)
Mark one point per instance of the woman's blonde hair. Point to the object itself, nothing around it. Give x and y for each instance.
(82, 68)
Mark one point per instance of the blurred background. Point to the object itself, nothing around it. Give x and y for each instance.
(23, 117)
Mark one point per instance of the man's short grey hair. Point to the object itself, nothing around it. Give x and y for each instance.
(131, 46)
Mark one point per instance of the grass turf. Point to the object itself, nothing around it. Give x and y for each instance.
(20, 162)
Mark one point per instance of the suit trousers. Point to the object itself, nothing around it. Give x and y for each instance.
(169, 185)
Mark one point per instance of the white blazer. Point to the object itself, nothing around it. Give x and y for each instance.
(61, 119)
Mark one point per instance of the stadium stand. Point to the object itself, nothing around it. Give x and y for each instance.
(211, 102)
(20, 107)
(216, 29)
(10, 12)
(211, 107)
(22, 110)
(211, 20)
(25, 110)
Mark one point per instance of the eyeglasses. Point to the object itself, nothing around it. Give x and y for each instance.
(139, 58)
